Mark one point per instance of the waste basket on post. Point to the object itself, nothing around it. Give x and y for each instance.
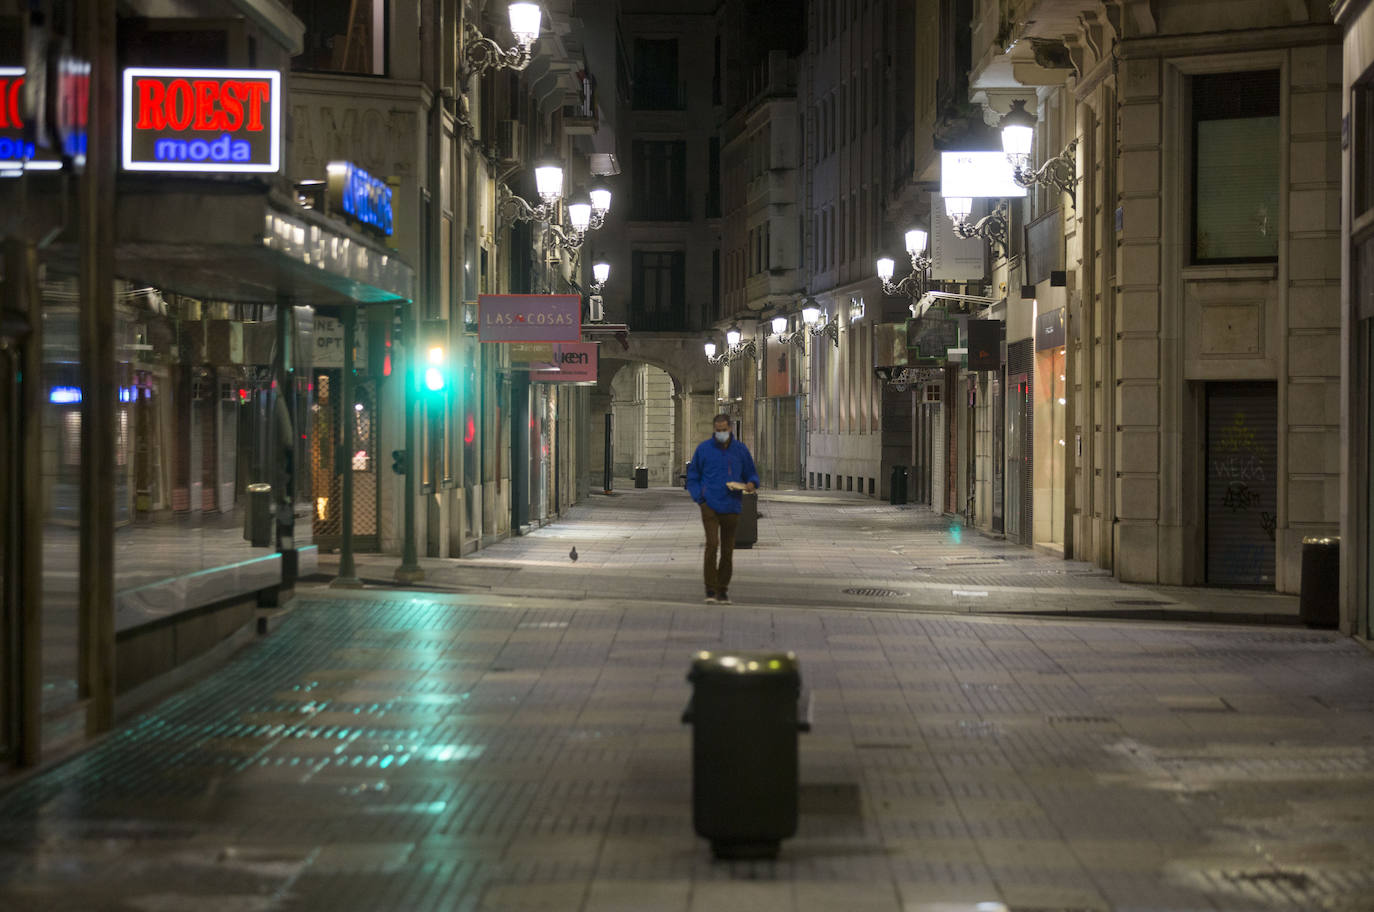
(896, 489)
(1319, 603)
(745, 719)
(747, 530)
(257, 519)
(641, 476)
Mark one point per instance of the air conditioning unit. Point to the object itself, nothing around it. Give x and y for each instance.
(510, 139)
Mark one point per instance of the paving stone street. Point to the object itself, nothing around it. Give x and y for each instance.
(991, 725)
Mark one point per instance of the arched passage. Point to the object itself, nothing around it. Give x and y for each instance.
(659, 395)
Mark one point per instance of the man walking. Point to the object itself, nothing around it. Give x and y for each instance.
(720, 473)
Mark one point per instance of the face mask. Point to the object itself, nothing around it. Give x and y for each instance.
(723, 436)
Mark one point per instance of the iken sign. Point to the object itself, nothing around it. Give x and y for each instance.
(202, 120)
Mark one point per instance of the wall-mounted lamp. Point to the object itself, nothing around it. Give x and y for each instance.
(991, 227)
(480, 53)
(548, 179)
(913, 284)
(600, 273)
(601, 204)
(1018, 136)
(734, 348)
(818, 324)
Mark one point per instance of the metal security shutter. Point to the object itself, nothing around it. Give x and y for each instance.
(1242, 483)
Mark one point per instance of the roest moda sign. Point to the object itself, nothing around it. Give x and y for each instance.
(529, 318)
(202, 120)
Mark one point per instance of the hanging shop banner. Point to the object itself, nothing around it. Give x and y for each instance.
(209, 121)
(360, 196)
(578, 362)
(931, 335)
(985, 345)
(529, 318)
(1049, 329)
(978, 174)
(528, 353)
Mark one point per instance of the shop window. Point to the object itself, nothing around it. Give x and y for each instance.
(1236, 167)
(343, 37)
(1362, 162)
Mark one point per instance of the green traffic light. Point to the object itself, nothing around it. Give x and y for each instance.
(434, 374)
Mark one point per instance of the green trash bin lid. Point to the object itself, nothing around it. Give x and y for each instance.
(744, 662)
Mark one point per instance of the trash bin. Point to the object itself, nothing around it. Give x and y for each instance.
(1319, 604)
(896, 488)
(747, 531)
(745, 717)
(641, 476)
(257, 518)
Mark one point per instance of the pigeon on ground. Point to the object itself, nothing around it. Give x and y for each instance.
(572, 555)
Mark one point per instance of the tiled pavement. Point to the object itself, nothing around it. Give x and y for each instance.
(815, 547)
(398, 751)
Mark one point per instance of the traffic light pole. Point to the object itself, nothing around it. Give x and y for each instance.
(348, 420)
(410, 570)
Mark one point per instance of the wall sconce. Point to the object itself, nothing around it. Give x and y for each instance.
(480, 53)
(818, 324)
(913, 285)
(601, 204)
(549, 181)
(991, 227)
(600, 273)
(796, 337)
(1018, 135)
(579, 220)
(734, 348)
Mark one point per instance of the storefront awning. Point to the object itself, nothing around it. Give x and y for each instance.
(236, 241)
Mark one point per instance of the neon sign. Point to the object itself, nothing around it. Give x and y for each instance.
(362, 196)
(17, 153)
(213, 121)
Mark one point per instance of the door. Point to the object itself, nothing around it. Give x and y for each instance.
(1242, 483)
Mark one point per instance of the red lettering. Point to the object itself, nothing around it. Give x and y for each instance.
(231, 100)
(258, 93)
(9, 103)
(207, 92)
(150, 98)
(180, 105)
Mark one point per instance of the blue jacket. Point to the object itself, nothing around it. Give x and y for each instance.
(712, 466)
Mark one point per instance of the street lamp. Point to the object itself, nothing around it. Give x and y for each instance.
(600, 273)
(779, 325)
(548, 180)
(601, 204)
(1018, 137)
(480, 53)
(991, 227)
(734, 348)
(818, 324)
(913, 285)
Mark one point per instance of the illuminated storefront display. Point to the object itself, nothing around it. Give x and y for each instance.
(360, 196)
(213, 121)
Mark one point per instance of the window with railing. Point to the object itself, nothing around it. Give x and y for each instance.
(658, 291)
(660, 180)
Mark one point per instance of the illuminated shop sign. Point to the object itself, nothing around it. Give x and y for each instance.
(217, 121)
(577, 363)
(360, 195)
(977, 175)
(71, 395)
(529, 318)
(17, 151)
(70, 108)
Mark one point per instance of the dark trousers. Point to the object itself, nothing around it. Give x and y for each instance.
(720, 531)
